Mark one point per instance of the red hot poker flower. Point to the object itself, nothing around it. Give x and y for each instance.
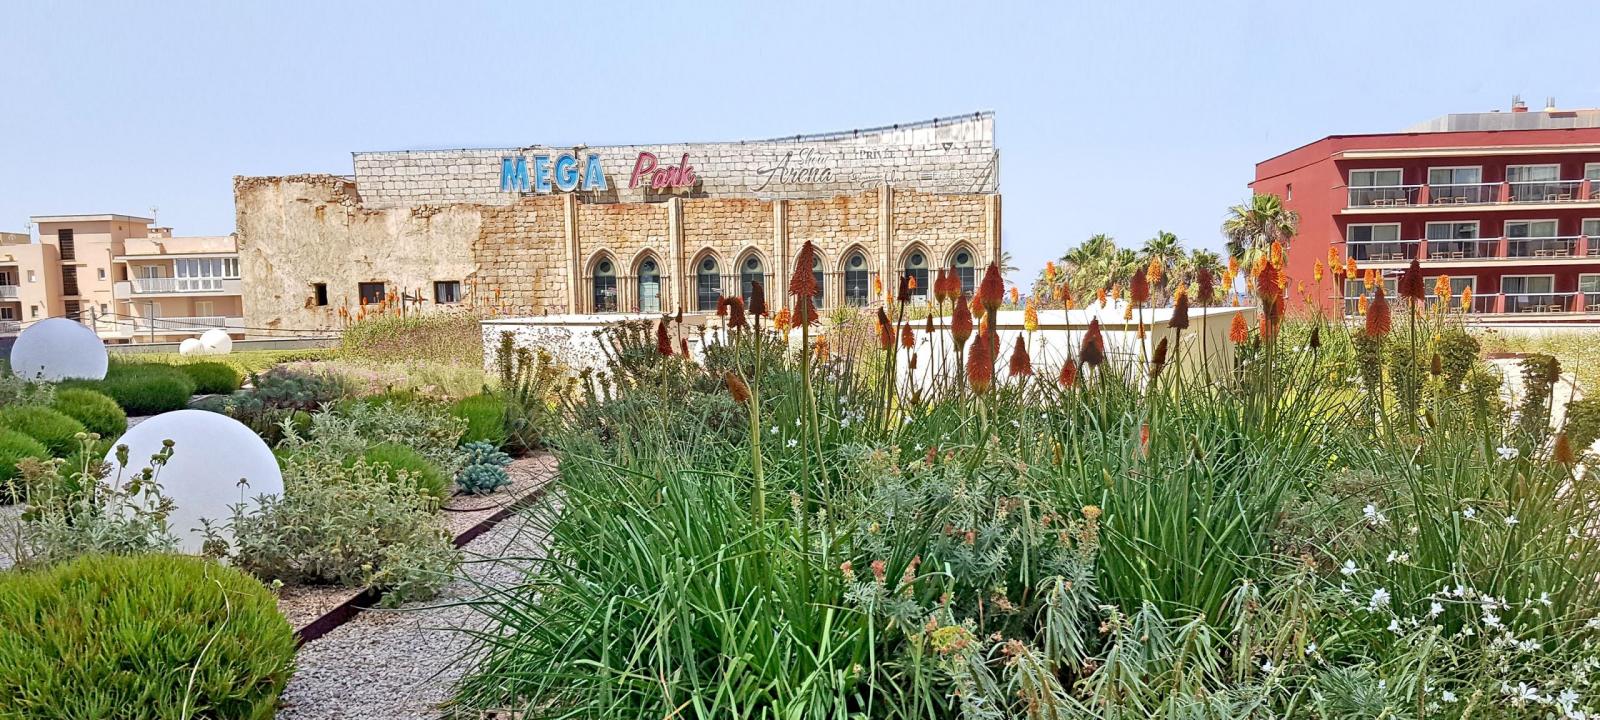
(1138, 289)
(758, 299)
(961, 324)
(802, 282)
(1378, 321)
(1093, 351)
(992, 291)
(663, 341)
(1021, 365)
(1069, 374)
(885, 331)
(1205, 287)
(1158, 360)
(908, 339)
(1238, 331)
(980, 364)
(736, 313)
(1180, 312)
(1411, 287)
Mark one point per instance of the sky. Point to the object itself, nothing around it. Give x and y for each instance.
(1116, 118)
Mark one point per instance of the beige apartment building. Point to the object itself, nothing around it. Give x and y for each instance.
(131, 282)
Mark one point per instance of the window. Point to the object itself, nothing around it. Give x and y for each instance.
(816, 274)
(605, 286)
(707, 286)
(649, 286)
(1532, 173)
(856, 284)
(1357, 287)
(201, 273)
(371, 293)
(1373, 233)
(1530, 228)
(73, 309)
(1455, 175)
(319, 294)
(1591, 228)
(68, 245)
(1452, 240)
(750, 272)
(966, 269)
(100, 272)
(1527, 284)
(447, 292)
(8, 313)
(1588, 284)
(1375, 178)
(917, 268)
(5, 278)
(69, 281)
(33, 311)
(1288, 191)
(1531, 293)
(1457, 285)
(1452, 230)
(230, 267)
(1591, 171)
(204, 308)
(32, 278)
(1537, 183)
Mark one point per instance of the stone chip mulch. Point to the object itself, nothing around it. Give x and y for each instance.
(400, 664)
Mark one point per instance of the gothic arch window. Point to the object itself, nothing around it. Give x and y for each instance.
(857, 279)
(648, 282)
(916, 265)
(751, 270)
(821, 279)
(966, 267)
(603, 285)
(707, 283)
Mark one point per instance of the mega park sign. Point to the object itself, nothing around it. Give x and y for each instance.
(561, 174)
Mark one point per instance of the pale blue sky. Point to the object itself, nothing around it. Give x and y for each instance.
(1110, 118)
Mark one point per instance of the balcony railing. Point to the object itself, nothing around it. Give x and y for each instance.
(172, 325)
(8, 292)
(1536, 302)
(1463, 193)
(1463, 249)
(1545, 247)
(10, 327)
(1384, 195)
(177, 285)
(1395, 250)
(1508, 303)
(1547, 191)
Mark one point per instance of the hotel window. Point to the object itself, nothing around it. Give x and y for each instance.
(917, 268)
(33, 311)
(68, 245)
(1530, 293)
(8, 313)
(5, 277)
(1457, 285)
(857, 286)
(605, 286)
(707, 286)
(32, 278)
(447, 292)
(1589, 285)
(966, 269)
(1591, 171)
(1369, 243)
(319, 294)
(649, 286)
(1375, 178)
(1536, 183)
(1591, 228)
(230, 267)
(1377, 187)
(371, 293)
(1452, 240)
(750, 273)
(1455, 175)
(1530, 228)
(100, 273)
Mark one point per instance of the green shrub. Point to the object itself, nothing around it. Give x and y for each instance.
(485, 469)
(486, 419)
(143, 388)
(97, 411)
(212, 378)
(392, 540)
(393, 459)
(58, 431)
(14, 446)
(287, 388)
(154, 636)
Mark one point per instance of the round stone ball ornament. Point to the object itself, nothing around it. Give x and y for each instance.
(58, 349)
(216, 342)
(216, 463)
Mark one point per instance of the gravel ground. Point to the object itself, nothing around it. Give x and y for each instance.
(400, 664)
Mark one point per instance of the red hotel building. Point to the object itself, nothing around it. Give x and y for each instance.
(1506, 203)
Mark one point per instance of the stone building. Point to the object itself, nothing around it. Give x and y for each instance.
(638, 228)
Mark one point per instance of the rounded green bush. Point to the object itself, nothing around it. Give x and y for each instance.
(58, 431)
(486, 419)
(143, 388)
(14, 446)
(96, 410)
(212, 378)
(428, 477)
(141, 637)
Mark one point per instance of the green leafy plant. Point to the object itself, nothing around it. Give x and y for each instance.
(407, 468)
(15, 446)
(212, 378)
(486, 419)
(484, 469)
(98, 412)
(143, 388)
(356, 525)
(58, 431)
(85, 506)
(143, 637)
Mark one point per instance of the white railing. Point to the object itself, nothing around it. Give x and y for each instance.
(1383, 195)
(172, 325)
(1463, 193)
(8, 292)
(1546, 191)
(10, 327)
(167, 285)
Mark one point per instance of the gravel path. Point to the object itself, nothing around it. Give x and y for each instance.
(400, 664)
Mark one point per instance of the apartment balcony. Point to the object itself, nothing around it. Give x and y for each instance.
(9, 292)
(10, 327)
(1393, 251)
(194, 325)
(136, 287)
(1480, 251)
(1445, 197)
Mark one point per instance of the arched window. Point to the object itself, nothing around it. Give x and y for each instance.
(816, 272)
(857, 286)
(917, 267)
(649, 286)
(707, 285)
(966, 269)
(750, 272)
(605, 286)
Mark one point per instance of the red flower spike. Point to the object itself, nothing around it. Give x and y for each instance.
(1180, 312)
(1205, 287)
(908, 339)
(1378, 320)
(1021, 365)
(1238, 331)
(1138, 288)
(802, 282)
(1093, 351)
(885, 331)
(1069, 374)
(961, 324)
(758, 299)
(663, 341)
(980, 365)
(1411, 286)
(992, 291)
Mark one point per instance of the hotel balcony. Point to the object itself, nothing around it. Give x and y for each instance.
(8, 292)
(1445, 197)
(125, 289)
(1511, 307)
(1480, 251)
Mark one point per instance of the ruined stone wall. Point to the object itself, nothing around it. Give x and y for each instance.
(301, 230)
(521, 257)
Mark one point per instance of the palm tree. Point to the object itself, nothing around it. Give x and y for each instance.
(1166, 249)
(1007, 263)
(1200, 259)
(1252, 228)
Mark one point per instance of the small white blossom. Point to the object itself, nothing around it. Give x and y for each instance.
(1349, 568)
(1380, 599)
(1373, 515)
(774, 429)
(1447, 696)
(1469, 513)
(1511, 520)
(1507, 452)
(793, 442)
(1435, 609)
(1267, 667)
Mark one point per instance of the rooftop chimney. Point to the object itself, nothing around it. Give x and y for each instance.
(1550, 104)
(1517, 105)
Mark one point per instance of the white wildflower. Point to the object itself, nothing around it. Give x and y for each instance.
(1507, 452)
(1447, 696)
(1349, 568)
(1435, 609)
(1373, 515)
(1511, 520)
(1380, 599)
(793, 442)
(1469, 513)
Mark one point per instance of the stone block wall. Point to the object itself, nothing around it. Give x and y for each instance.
(520, 254)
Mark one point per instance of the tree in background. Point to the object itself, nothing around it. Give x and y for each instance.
(1252, 228)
